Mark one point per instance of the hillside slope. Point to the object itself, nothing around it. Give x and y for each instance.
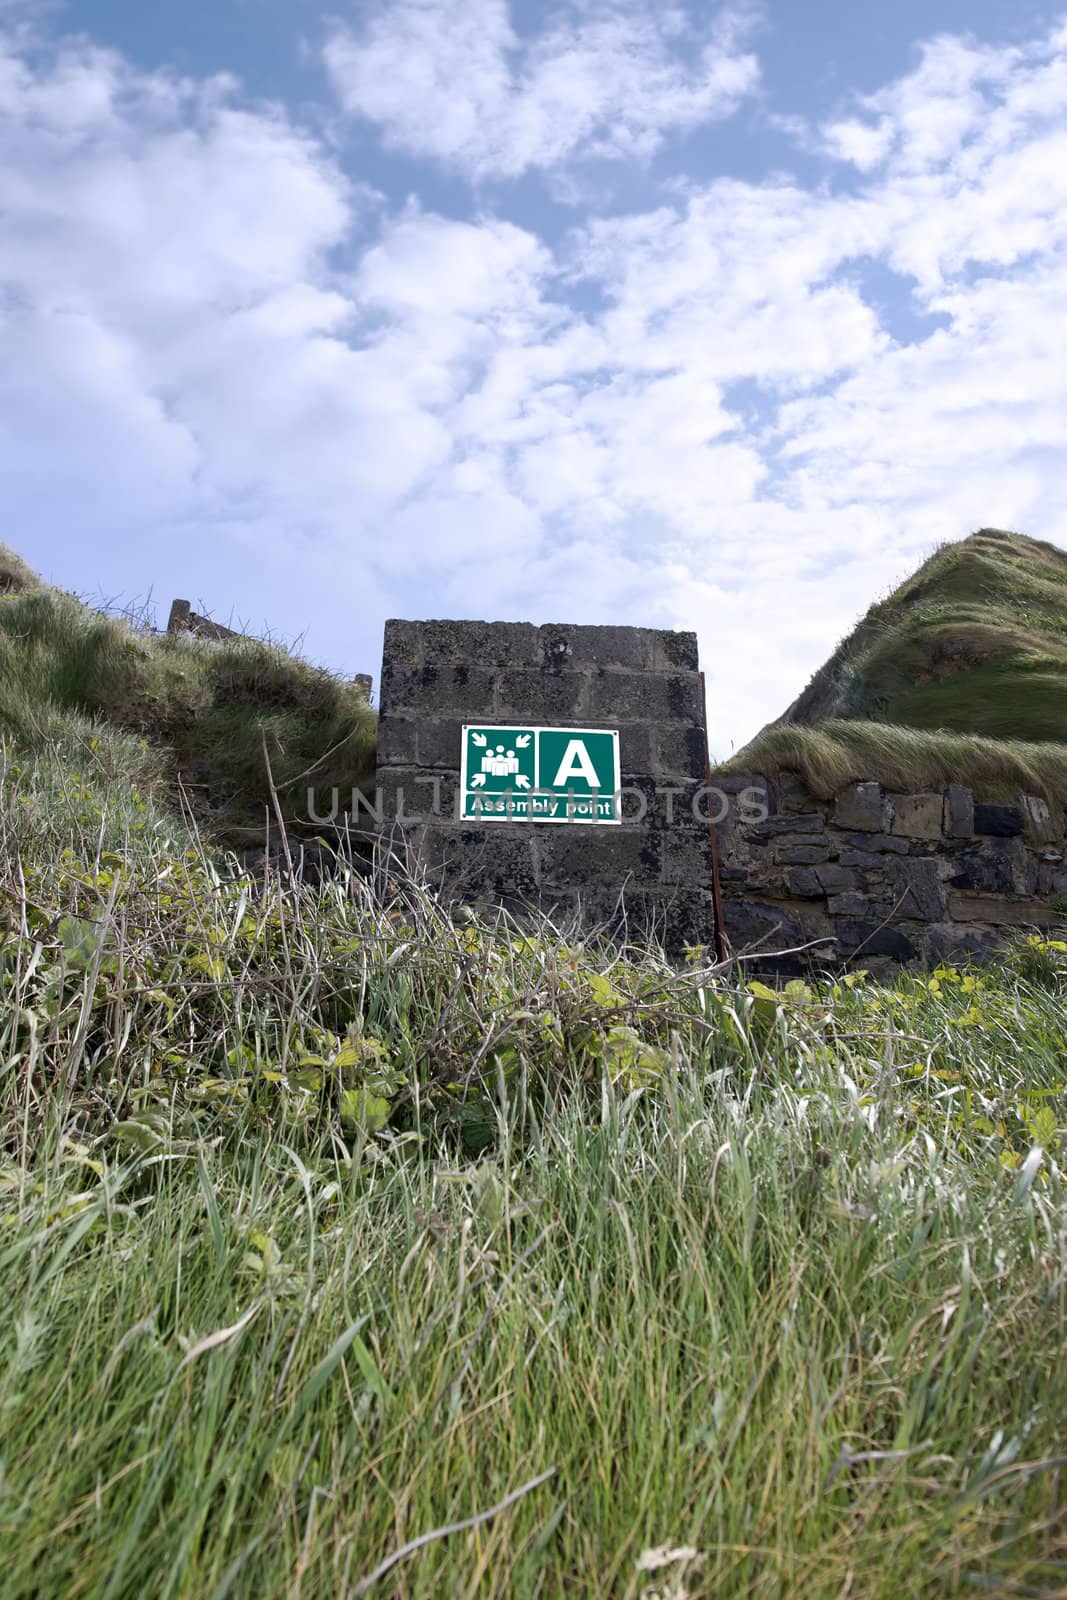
(959, 676)
(177, 710)
(975, 642)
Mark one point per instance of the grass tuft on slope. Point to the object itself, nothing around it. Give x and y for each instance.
(974, 642)
(328, 1222)
(906, 760)
(204, 708)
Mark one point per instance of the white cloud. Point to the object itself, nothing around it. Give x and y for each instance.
(209, 334)
(452, 80)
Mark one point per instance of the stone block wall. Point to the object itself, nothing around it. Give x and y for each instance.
(654, 869)
(879, 879)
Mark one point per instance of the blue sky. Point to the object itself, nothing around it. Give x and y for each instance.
(718, 317)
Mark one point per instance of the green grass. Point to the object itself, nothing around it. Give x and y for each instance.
(907, 760)
(960, 676)
(328, 1221)
(974, 642)
(206, 710)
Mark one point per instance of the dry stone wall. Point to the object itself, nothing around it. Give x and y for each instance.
(868, 877)
(878, 879)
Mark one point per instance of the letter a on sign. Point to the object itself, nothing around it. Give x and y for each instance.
(576, 763)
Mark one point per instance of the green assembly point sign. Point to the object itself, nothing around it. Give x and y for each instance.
(540, 775)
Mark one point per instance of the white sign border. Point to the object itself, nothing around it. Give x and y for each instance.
(536, 728)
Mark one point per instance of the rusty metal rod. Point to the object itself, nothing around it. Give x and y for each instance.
(716, 886)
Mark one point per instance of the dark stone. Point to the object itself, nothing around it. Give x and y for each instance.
(421, 691)
(683, 752)
(685, 856)
(680, 917)
(1000, 910)
(1000, 822)
(752, 922)
(947, 941)
(835, 879)
(848, 905)
(857, 936)
(585, 854)
(571, 646)
(802, 882)
(877, 841)
(413, 795)
(635, 749)
(481, 644)
(645, 697)
(918, 888)
(792, 793)
(992, 868)
(677, 649)
(403, 642)
(861, 858)
(811, 823)
(396, 741)
(959, 811)
(440, 743)
(802, 854)
(544, 698)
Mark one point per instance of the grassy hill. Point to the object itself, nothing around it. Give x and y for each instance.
(202, 713)
(961, 673)
(350, 1248)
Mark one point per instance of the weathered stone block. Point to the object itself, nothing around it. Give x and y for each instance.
(958, 814)
(860, 937)
(636, 749)
(995, 866)
(1041, 822)
(1001, 822)
(645, 696)
(413, 794)
(677, 649)
(862, 806)
(396, 741)
(753, 922)
(564, 645)
(482, 644)
(848, 905)
(954, 942)
(579, 855)
(801, 855)
(680, 916)
(736, 782)
(685, 856)
(403, 642)
(532, 695)
(877, 841)
(430, 689)
(802, 882)
(835, 879)
(792, 792)
(916, 816)
(748, 807)
(1000, 911)
(439, 742)
(681, 752)
(918, 889)
(776, 826)
(861, 858)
